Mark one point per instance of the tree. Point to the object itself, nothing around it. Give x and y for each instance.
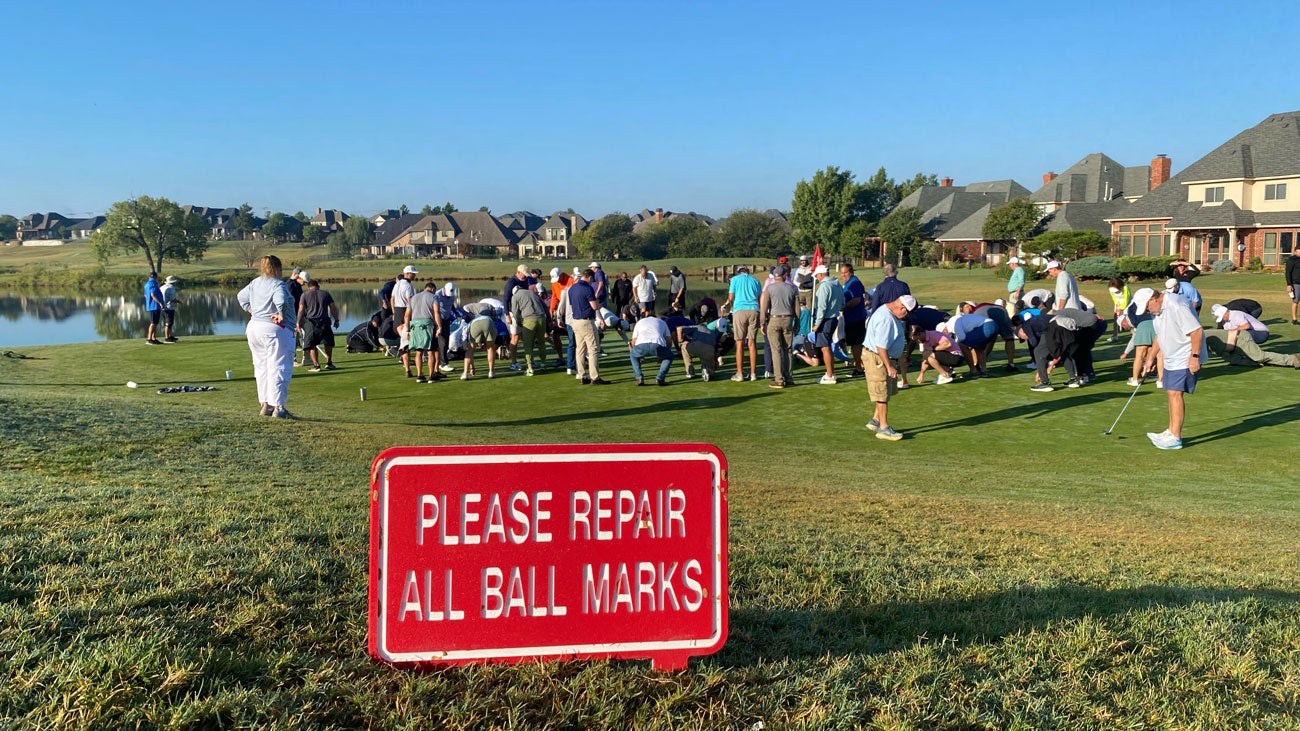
(302, 217)
(313, 235)
(1070, 244)
(338, 244)
(8, 227)
(907, 187)
(402, 210)
(248, 251)
(359, 231)
(826, 205)
(606, 237)
(243, 221)
(427, 210)
(484, 209)
(446, 208)
(1016, 221)
(276, 227)
(901, 231)
(747, 232)
(679, 236)
(156, 226)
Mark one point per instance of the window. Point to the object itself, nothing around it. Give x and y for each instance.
(1214, 195)
(1270, 249)
(1125, 229)
(1275, 192)
(1125, 246)
(1156, 227)
(1286, 243)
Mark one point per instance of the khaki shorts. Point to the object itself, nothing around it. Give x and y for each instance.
(879, 385)
(745, 325)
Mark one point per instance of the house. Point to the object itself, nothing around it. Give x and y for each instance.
(1239, 202)
(953, 215)
(1094, 189)
(521, 221)
(389, 230)
(84, 228)
(551, 240)
(462, 234)
(44, 227)
(646, 218)
(331, 220)
(386, 215)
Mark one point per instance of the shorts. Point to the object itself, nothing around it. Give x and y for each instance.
(825, 334)
(855, 333)
(1144, 333)
(744, 324)
(482, 331)
(422, 334)
(512, 328)
(155, 316)
(1182, 380)
(949, 359)
(399, 314)
(169, 317)
(316, 332)
(879, 385)
(1295, 293)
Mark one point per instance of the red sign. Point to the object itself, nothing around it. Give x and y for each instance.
(512, 553)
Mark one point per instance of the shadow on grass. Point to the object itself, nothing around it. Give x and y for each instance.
(1022, 411)
(796, 634)
(1275, 416)
(696, 404)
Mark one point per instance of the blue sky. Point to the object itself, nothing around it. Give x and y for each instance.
(604, 106)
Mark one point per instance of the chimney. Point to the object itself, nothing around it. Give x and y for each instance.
(945, 182)
(1160, 165)
(659, 215)
(1048, 177)
(318, 210)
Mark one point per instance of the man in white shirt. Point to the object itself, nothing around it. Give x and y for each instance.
(1067, 290)
(1180, 342)
(403, 291)
(650, 339)
(643, 288)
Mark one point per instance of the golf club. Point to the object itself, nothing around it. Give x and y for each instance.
(1126, 403)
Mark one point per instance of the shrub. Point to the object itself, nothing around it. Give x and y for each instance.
(1256, 264)
(1143, 266)
(1093, 267)
(1223, 265)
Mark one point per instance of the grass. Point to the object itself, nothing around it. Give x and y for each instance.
(174, 561)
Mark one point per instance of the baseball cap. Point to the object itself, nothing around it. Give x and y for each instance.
(821, 269)
(1053, 264)
(1219, 311)
(783, 259)
(1141, 298)
(409, 270)
(780, 271)
(969, 302)
(1171, 285)
(1013, 260)
(304, 276)
(555, 274)
(909, 302)
(522, 269)
(594, 265)
(803, 257)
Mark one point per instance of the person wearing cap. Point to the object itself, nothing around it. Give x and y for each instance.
(1235, 322)
(521, 279)
(1180, 343)
(168, 291)
(403, 291)
(1186, 290)
(1144, 336)
(599, 283)
(803, 280)
(742, 300)
(297, 285)
(316, 310)
(581, 316)
(883, 345)
(643, 286)
(778, 309)
(1245, 351)
(1015, 285)
(828, 302)
(939, 351)
(676, 288)
(890, 287)
(153, 305)
(621, 292)
(1067, 289)
(976, 334)
(855, 316)
(447, 319)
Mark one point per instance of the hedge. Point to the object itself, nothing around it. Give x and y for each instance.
(1093, 267)
(1144, 266)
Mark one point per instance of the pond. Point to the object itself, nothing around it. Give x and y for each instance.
(27, 320)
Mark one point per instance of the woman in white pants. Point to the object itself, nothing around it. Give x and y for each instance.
(270, 335)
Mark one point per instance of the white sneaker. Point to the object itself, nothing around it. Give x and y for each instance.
(464, 376)
(578, 376)
(942, 380)
(445, 368)
(827, 380)
(1133, 382)
(704, 375)
(1160, 384)
(1159, 438)
(902, 384)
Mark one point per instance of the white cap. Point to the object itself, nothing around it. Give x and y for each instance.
(304, 276)
(1141, 298)
(803, 257)
(1219, 311)
(1053, 264)
(1013, 260)
(1171, 285)
(555, 274)
(821, 269)
(909, 302)
(449, 289)
(594, 265)
(945, 326)
(577, 271)
(409, 270)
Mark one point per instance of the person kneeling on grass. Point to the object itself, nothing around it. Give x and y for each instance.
(1240, 350)
(650, 338)
(938, 351)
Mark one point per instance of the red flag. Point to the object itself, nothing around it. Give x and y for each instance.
(817, 259)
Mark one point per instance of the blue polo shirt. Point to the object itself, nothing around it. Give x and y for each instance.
(580, 296)
(889, 289)
(747, 290)
(854, 289)
(885, 331)
(152, 290)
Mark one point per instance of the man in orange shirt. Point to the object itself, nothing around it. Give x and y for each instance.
(559, 282)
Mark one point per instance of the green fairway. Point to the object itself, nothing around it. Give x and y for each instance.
(177, 561)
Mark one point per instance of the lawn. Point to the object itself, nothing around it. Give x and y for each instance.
(175, 561)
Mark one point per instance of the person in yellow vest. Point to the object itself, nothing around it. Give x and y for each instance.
(1119, 295)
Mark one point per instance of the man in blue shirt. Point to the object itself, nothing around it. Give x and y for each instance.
(828, 301)
(742, 298)
(599, 283)
(153, 304)
(890, 288)
(884, 343)
(584, 305)
(855, 315)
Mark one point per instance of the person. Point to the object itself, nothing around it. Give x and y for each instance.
(482, 333)
(976, 334)
(997, 312)
(643, 286)
(386, 296)
(1038, 299)
(529, 315)
(1067, 289)
(1119, 297)
(1180, 342)
(316, 310)
(153, 304)
(1183, 270)
(168, 291)
(1015, 285)
(423, 322)
(583, 305)
(938, 351)
(622, 292)
(742, 301)
(828, 301)
(890, 288)
(1087, 327)
(650, 338)
(1144, 336)
(403, 291)
(855, 316)
(1055, 345)
(1240, 351)
(778, 309)
(1292, 278)
(803, 280)
(1186, 290)
(517, 281)
(560, 281)
(295, 284)
(676, 288)
(270, 335)
(599, 283)
(883, 346)
(1235, 322)
(447, 317)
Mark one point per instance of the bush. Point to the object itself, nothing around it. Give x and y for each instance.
(1093, 267)
(1222, 265)
(1143, 266)
(1256, 264)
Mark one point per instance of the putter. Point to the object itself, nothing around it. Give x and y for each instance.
(1126, 403)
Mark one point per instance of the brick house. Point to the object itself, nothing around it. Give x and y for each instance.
(953, 216)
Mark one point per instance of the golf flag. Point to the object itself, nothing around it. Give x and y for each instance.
(817, 259)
